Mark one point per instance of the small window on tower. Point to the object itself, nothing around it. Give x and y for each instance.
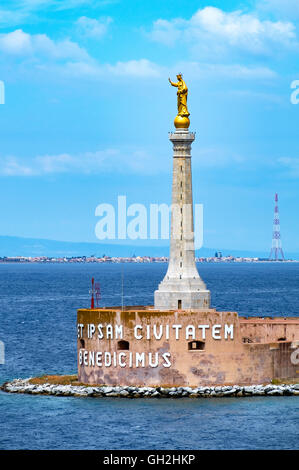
(123, 345)
(179, 304)
(82, 344)
(196, 345)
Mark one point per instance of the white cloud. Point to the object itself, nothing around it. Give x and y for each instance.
(144, 68)
(134, 161)
(110, 160)
(137, 68)
(141, 68)
(92, 28)
(23, 44)
(65, 57)
(16, 42)
(11, 166)
(214, 31)
(18, 12)
(168, 32)
(68, 58)
(198, 70)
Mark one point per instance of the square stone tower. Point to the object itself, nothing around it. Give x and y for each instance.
(182, 287)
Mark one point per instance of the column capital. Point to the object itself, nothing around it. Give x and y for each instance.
(181, 140)
(181, 135)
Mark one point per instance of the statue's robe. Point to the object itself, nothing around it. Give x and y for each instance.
(182, 99)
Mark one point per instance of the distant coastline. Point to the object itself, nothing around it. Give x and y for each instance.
(134, 259)
(40, 249)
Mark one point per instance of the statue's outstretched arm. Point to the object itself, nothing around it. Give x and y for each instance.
(172, 83)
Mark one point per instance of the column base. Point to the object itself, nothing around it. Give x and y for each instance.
(182, 300)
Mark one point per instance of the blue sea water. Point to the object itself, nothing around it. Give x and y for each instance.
(38, 305)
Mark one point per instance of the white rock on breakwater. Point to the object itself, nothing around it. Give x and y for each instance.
(24, 386)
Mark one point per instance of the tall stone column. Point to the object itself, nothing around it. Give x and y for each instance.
(182, 287)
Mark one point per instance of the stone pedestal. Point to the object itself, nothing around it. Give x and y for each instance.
(182, 287)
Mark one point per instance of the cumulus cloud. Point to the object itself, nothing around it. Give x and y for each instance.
(68, 58)
(65, 57)
(92, 28)
(23, 44)
(16, 42)
(212, 30)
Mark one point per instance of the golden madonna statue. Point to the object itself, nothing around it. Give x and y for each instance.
(182, 118)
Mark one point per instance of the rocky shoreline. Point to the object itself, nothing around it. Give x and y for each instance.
(24, 386)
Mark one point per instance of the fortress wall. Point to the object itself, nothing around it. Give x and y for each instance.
(168, 361)
(270, 330)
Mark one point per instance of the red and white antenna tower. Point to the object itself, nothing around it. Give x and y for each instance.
(92, 292)
(276, 240)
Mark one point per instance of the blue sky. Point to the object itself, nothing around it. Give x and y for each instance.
(88, 108)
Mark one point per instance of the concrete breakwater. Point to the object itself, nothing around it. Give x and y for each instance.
(24, 386)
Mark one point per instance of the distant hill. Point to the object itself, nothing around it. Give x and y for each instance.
(18, 246)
